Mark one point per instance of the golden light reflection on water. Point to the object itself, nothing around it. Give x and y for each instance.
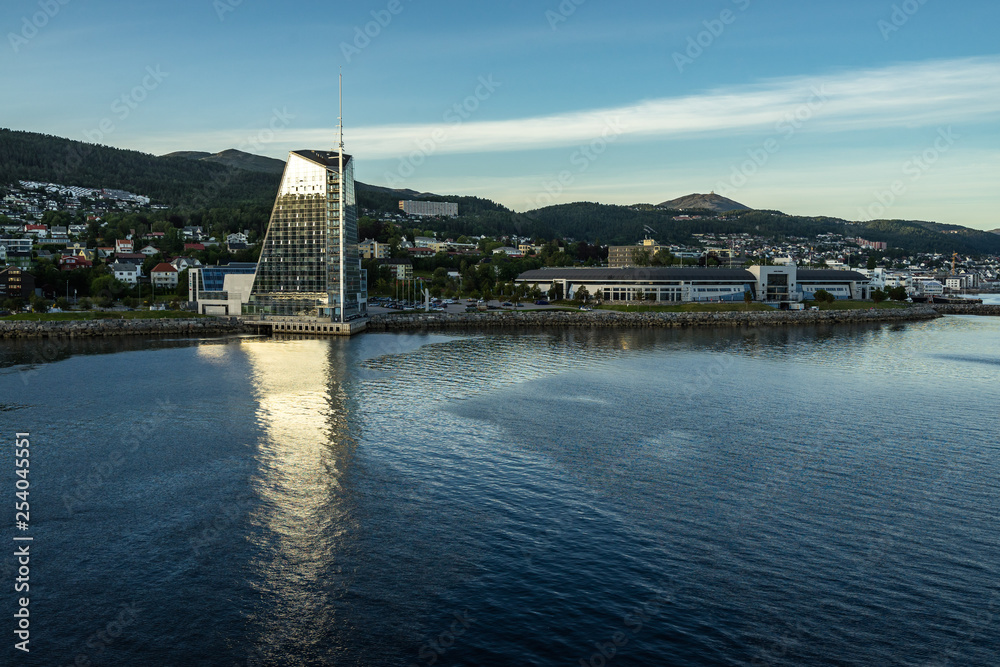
(214, 353)
(304, 451)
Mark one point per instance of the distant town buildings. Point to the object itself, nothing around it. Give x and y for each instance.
(303, 258)
(371, 249)
(623, 256)
(429, 208)
(509, 251)
(402, 269)
(871, 245)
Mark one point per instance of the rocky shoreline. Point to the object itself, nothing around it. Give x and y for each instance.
(606, 318)
(500, 320)
(967, 309)
(120, 327)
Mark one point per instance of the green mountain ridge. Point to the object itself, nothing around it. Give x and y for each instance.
(370, 196)
(174, 181)
(237, 190)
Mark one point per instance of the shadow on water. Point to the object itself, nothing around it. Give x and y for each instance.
(989, 361)
(31, 351)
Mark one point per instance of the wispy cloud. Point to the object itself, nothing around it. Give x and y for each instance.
(907, 95)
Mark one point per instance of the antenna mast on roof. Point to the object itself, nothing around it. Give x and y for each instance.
(343, 200)
(340, 118)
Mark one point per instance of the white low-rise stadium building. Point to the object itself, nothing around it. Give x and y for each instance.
(768, 284)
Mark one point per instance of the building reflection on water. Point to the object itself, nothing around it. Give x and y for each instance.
(305, 520)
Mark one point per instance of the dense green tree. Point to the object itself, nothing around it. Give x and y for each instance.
(182, 285)
(822, 296)
(14, 304)
(897, 293)
(39, 304)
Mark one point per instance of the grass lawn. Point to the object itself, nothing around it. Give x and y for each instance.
(690, 308)
(856, 305)
(99, 315)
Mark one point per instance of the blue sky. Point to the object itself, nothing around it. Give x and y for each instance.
(858, 109)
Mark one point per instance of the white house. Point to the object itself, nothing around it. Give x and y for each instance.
(183, 263)
(163, 275)
(126, 273)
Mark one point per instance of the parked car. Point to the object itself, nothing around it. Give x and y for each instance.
(507, 304)
(541, 302)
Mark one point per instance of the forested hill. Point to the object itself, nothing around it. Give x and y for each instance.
(242, 198)
(627, 224)
(186, 180)
(174, 181)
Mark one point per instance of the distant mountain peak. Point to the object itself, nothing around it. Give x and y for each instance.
(235, 158)
(711, 202)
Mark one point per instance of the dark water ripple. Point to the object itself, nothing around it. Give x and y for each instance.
(825, 496)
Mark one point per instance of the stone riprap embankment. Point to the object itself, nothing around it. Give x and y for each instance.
(607, 318)
(967, 309)
(119, 327)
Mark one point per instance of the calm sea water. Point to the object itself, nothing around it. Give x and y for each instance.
(824, 496)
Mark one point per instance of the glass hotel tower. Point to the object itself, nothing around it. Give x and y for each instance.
(309, 265)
